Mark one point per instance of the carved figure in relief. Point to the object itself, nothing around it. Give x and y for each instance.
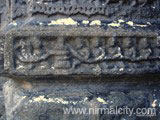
(129, 50)
(38, 51)
(85, 54)
(23, 51)
(97, 50)
(82, 50)
(113, 50)
(62, 55)
(144, 49)
(31, 52)
(19, 9)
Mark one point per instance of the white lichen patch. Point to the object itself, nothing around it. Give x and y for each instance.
(40, 23)
(121, 69)
(38, 2)
(114, 24)
(20, 67)
(96, 22)
(140, 25)
(49, 100)
(85, 22)
(101, 56)
(121, 21)
(55, 100)
(64, 21)
(101, 100)
(24, 97)
(53, 67)
(149, 23)
(130, 23)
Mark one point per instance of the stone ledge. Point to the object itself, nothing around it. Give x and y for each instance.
(50, 51)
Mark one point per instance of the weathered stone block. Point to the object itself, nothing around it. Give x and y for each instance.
(47, 99)
(60, 54)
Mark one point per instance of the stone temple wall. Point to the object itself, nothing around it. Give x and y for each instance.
(84, 54)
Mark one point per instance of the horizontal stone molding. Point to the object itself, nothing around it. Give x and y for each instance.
(88, 8)
(58, 51)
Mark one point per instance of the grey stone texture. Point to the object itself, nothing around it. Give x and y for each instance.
(2, 104)
(79, 53)
(43, 39)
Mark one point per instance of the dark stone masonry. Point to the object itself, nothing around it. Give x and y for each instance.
(79, 59)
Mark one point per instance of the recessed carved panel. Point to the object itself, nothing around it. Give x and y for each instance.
(87, 8)
(60, 55)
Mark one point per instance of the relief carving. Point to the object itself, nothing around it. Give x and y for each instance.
(20, 8)
(71, 54)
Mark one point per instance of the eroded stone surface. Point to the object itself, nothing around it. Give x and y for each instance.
(47, 38)
(86, 8)
(45, 99)
(2, 104)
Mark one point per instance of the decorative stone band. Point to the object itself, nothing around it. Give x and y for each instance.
(107, 9)
(87, 7)
(71, 51)
(66, 9)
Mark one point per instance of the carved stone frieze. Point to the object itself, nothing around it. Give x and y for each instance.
(88, 8)
(62, 53)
